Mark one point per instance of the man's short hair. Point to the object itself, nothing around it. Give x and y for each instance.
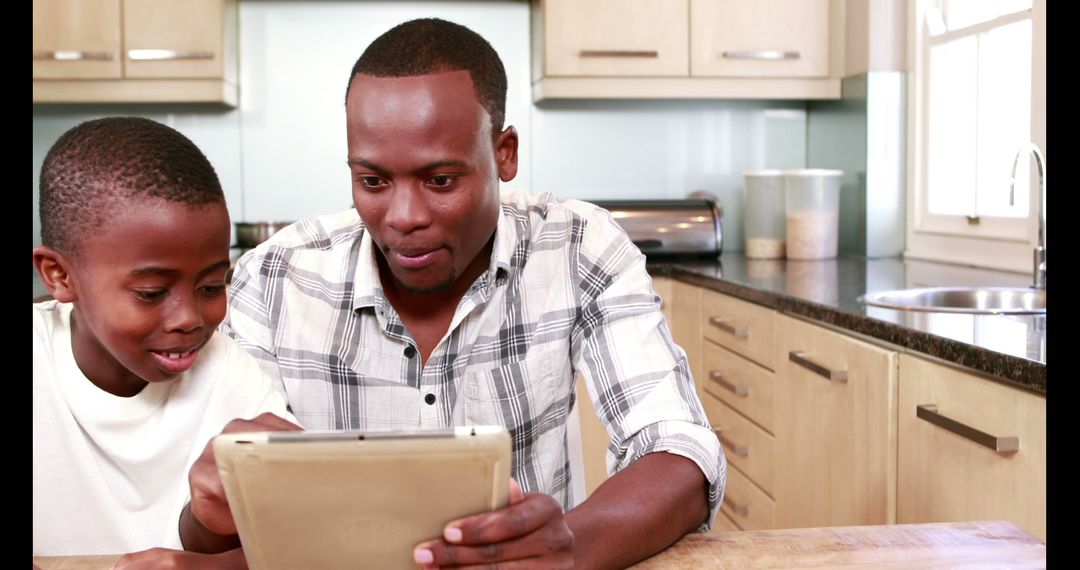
(431, 45)
(100, 165)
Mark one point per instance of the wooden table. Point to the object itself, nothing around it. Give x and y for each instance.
(940, 545)
(981, 544)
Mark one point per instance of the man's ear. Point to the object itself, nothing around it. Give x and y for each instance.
(55, 272)
(506, 154)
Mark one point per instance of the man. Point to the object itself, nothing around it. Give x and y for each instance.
(439, 302)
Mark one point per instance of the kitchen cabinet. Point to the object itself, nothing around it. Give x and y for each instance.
(835, 428)
(738, 397)
(135, 51)
(769, 49)
(948, 476)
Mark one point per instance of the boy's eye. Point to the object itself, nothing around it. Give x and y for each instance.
(150, 294)
(213, 289)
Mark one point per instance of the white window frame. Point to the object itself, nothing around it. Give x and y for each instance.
(998, 243)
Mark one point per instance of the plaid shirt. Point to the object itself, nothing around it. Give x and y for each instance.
(566, 293)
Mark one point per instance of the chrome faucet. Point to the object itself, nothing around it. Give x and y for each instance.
(1040, 250)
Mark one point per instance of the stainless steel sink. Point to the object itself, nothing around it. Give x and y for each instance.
(970, 300)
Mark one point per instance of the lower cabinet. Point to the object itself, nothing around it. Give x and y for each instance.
(969, 449)
(825, 429)
(835, 415)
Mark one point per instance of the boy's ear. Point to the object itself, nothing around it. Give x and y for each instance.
(55, 272)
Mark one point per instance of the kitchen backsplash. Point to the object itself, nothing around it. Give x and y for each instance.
(281, 154)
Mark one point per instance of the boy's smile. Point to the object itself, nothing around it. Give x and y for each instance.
(150, 291)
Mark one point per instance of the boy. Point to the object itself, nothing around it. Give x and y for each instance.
(130, 378)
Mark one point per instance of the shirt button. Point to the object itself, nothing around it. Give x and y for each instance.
(430, 398)
(410, 352)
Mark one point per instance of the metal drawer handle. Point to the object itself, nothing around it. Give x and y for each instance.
(740, 450)
(617, 53)
(764, 54)
(717, 377)
(167, 54)
(834, 375)
(1002, 445)
(722, 324)
(72, 55)
(740, 509)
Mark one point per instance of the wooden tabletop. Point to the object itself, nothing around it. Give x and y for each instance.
(980, 544)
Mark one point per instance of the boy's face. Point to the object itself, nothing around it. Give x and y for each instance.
(149, 292)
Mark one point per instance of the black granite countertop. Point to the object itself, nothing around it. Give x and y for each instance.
(1010, 348)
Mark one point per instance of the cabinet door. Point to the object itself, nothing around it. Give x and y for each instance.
(686, 326)
(174, 39)
(762, 38)
(615, 38)
(945, 476)
(835, 451)
(77, 39)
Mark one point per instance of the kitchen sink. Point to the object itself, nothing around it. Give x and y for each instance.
(970, 300)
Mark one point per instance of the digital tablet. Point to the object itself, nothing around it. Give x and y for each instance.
(346, 499)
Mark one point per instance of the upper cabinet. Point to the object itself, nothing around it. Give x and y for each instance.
(766, 49)
(135, 51)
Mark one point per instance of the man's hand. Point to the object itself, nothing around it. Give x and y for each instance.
(530, 533)
(166, 559)
(207, 525)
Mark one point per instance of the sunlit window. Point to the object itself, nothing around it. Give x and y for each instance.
(978, 102)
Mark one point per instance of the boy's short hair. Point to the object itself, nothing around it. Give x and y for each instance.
(431, 45)
(102, 164)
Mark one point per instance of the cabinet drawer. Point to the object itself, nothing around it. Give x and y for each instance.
(743, 327)
(945, 476)
(746, 445)
(747, 505)
(740, 383)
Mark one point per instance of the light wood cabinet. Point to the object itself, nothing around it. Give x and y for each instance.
(135, 51)
(768, 49)
(947, 476)
(835, 449)
(765, 38)
(684, 301)
(616, 38)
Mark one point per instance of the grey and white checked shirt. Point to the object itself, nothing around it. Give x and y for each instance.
(566, 293)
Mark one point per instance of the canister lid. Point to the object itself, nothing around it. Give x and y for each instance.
(813, 172)
(765, 172)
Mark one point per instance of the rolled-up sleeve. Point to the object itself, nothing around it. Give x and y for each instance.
(638, 379)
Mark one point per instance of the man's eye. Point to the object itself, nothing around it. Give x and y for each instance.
(370, 181)
(441, 181)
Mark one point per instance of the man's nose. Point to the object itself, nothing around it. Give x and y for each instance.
(408, 209)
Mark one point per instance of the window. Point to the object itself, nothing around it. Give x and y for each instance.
(978, 90)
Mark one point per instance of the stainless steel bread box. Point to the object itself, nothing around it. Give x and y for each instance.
(671, 228)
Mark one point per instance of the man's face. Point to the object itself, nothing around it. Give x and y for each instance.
(150, 291)
(425, 174)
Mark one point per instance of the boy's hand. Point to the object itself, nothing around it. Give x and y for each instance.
(531, 532)
(165, 558)
(209, 508)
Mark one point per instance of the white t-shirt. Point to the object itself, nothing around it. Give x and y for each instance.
(111, 473)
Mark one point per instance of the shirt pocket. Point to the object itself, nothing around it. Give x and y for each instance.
(513, 395)
(530, 398)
